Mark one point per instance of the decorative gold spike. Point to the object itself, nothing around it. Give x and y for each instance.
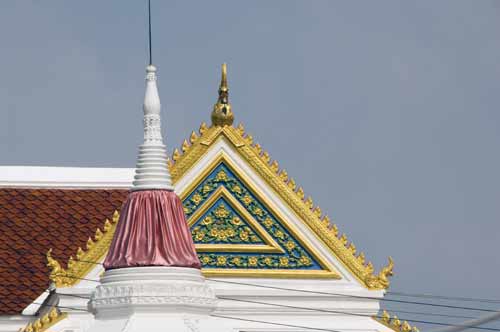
(361, 258)
(176, 155)
(98, 234)
(185, 146)
(300, 193)
(343, 239)
(107, 226)
(29, 328)
(222, 114)
(309, 202)
(405, 327)
(317, 212)
(284, 175)
(265, 157)
(79, 253)
(45, 319)
(193, 137)
(53, 314)
(385, 316)
(395, 322)
(291, 184)
(90, 243)
(203, 128)
(257, 148)
(326, 220)
(116, 217)
(369, 268)
(37, 325)
(240, 129)
(352, 249)
(275, 166)
(335, 230)
(71, 262)
(249, 139)
(415, 329)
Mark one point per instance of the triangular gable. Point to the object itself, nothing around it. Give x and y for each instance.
(284, 187)
(218, 205)
(311, 219)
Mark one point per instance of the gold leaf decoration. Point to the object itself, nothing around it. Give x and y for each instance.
(45, 322)
(185, 146)
(203, 128)
(284, 175)
(193, 137)
(257, 148)
(79, 267)
(176, 155)
(275, 166)
(265, 157)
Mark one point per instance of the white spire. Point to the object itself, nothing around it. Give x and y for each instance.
(151, 170)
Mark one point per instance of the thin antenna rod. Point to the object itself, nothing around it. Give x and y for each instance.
(150, 52)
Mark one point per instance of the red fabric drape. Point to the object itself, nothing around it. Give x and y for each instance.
(152, 231)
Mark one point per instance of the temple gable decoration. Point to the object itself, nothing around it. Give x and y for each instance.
(236, 226)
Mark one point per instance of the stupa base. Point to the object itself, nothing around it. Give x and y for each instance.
(151, 290)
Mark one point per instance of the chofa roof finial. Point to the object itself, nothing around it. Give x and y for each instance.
(222, 114)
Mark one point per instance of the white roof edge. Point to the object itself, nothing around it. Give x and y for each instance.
(65, 177)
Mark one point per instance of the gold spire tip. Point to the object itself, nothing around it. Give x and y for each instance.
(222, 114)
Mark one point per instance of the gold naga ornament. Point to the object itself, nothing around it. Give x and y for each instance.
(222, 114)
(85, 260)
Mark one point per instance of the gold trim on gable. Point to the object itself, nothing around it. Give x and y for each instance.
(77, 268)
(287, 189)
(270, 247)
(46, 321)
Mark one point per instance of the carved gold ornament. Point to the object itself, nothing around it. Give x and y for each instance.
(394, 323)
(78, 267)
(46, 321)
(222, 114)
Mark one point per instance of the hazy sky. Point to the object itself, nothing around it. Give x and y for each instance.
(386, 112)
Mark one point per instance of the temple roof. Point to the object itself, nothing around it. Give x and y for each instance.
(32, 220)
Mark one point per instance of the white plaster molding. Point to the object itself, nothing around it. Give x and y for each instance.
(65, 177)
(152, 289)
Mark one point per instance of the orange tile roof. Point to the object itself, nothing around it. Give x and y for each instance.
(34, 220)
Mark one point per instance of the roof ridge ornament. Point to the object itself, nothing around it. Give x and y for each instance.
(222, 114)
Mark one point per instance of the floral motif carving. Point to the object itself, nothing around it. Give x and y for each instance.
(222, 226)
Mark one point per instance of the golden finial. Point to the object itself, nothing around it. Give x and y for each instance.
(222, 114)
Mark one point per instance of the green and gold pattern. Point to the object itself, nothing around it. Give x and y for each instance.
(222, 224)
(221, 210)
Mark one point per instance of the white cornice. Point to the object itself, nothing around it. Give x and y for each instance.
(65, 177)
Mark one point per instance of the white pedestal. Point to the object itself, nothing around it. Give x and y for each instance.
(151, 299)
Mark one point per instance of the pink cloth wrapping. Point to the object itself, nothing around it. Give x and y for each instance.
(152, 231)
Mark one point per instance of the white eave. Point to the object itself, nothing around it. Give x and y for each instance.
(65, 177)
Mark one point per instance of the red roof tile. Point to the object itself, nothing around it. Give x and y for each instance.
(34, 220)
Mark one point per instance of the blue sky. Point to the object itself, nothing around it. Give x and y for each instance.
(386, 112)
